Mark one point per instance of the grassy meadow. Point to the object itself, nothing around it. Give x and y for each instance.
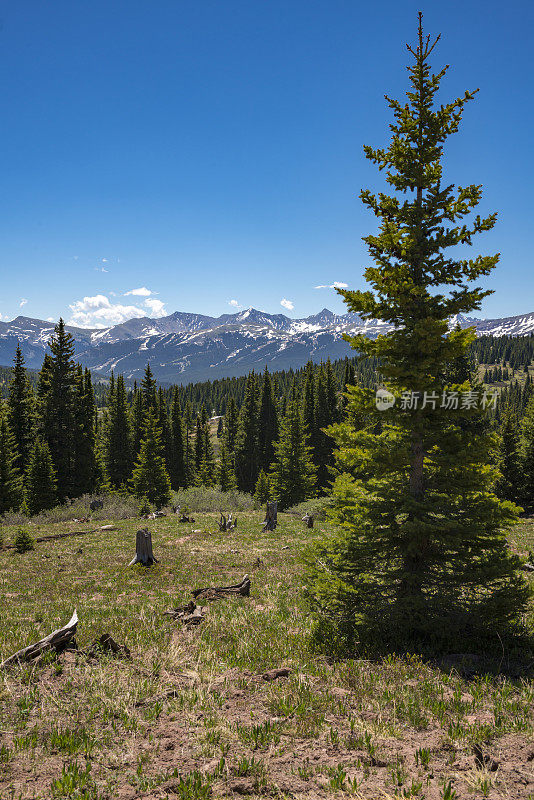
(189, 714)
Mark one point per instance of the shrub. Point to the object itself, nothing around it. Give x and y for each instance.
(210, 498)
(23, 540)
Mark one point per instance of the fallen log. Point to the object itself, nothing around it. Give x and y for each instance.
(242, 589)
(57, 640)
(274, 674)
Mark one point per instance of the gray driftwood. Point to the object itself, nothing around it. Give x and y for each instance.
(190, 614)
(308, 519)
(57, 640)
(143, 549)
(242, 588)
(271, 517)
(227, 524)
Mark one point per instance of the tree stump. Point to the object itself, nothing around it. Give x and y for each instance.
(308, 519)
(227, 524)
(271, 519)
(143, 549)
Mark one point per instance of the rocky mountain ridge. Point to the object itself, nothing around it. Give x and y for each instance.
(184, 347)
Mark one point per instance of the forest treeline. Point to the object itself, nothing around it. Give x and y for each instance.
(62, 436)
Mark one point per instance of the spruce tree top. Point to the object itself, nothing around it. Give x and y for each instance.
(417, 226)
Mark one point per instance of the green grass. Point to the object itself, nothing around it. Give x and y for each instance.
(189, 714)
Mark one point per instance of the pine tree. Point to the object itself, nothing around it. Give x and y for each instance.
(263, 490)
(118, 455)
(220, 427)
(246, 446)
(178, 471)
(23, 540)
(41, 484)
(189, 451)
(231, 422)
(10, 478)
(59, 409)
(421, 559)
(509, 484)
(21, 412)
(137, 421)
(85, 477)
(526, 449)
(164, 424)
(150, 478)
(148, 389)
(267, 423)
(225, 469)
(293, 472)
(322, 443)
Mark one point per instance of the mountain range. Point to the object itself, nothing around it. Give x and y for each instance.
(185, 347)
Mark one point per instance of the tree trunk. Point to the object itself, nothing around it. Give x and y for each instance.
(271, 517)
(143, 549)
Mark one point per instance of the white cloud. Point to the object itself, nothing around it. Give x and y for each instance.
(335, 285)
(157, 307)
(99, 312)
(234, 303)
(101, 269)
(23, 302)
(287, 304)
(141, 292)
(50, 319)
(104, 260)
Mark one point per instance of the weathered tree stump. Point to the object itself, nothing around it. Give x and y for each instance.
(308, 519)
(227, 524)
(143, 549)
(182, 516)
(271, 517)
(57, 640)
(242, 588)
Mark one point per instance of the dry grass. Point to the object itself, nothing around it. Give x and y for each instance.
(189, 715)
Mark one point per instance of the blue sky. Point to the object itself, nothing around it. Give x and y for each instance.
(211, 151)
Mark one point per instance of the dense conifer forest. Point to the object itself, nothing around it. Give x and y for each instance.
(63, 435)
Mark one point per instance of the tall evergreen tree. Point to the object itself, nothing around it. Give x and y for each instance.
(59, 409)
(246, 446)
(150, 478)
(231, 422)
(137, 421)
(323, 444)
(189, 451)
(293, 472)
(509, 484)
(10, 478)
(118, 454)
(422, 555)
(178, 470)
(225, 469)
(41, 485)
(85, 466)
(21, 412)
(267, 423)
(526, 448)
(148, 389)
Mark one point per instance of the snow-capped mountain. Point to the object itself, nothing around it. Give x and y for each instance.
(187, 347)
